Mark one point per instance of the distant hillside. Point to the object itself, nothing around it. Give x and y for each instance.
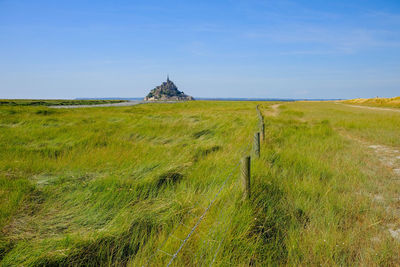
(393, 102)
(167, 91)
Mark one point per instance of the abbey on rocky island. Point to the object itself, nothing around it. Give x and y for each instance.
(167, 91)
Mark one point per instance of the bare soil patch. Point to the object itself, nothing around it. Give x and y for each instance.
(273, 112)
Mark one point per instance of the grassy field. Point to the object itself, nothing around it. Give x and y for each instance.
(393, 102)
(124, 185)
(55, 102)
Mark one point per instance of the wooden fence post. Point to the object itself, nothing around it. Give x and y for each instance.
(256, 145)
(245, 176)
(262, 130)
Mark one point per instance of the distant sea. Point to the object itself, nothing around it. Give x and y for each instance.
(216, 99)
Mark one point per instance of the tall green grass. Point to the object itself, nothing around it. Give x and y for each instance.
(107, 186)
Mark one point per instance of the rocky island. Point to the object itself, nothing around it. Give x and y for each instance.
(167, 91)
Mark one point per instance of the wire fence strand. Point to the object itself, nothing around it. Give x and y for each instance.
(173, 256)
(242, 150)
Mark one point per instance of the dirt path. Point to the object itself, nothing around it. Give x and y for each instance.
(274, 110)
(367, 107)
(390, 159)
(122, 104)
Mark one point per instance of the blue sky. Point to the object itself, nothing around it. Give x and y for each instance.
(283, 49)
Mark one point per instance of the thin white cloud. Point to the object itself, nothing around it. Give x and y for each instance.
(332, 40)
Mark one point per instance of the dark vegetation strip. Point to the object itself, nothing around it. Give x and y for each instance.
(56, 102)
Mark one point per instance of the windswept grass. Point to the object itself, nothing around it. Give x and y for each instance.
(393, 102)
(106, 186)
(81, 184)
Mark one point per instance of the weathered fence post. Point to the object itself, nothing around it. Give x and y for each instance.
(261, 123)
(256, 145)
(262, 130)
(245, 175)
